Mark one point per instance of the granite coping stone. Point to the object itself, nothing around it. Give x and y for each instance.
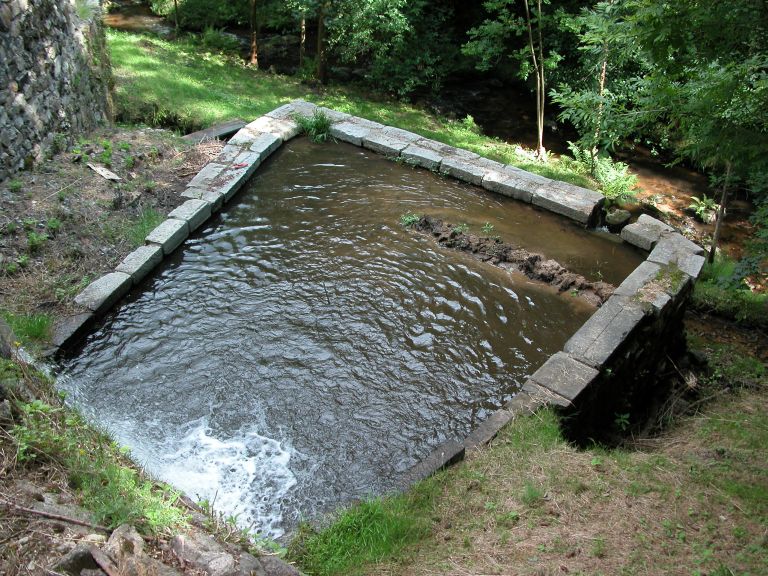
(511, 184)
(228, 153)
(334, 115)
(282, 128)
(565, 376)
(383, 143)
(194, 211)
(207, 175)
(543, 395)
(418, 156)
(70, 328)
(103, 293)
(447, 453)
(141, 262)
(265, 144)
(287, 111)
(605, 331)
(472, 171)
(645, 232)
(213, 197)
(169, 234)
(640, 276)
(348, 131)
(574, 202)
(232, 178)
(678, 250)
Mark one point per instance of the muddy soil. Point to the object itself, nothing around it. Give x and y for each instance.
(535, 266)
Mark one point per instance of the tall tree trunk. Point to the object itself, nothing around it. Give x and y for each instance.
(598, 127)
(537, 56)
(322, 65)
(176, 15)
(303, 41)
(720, 214)
(254, 59)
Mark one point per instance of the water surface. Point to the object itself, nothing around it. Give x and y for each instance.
(304, 350)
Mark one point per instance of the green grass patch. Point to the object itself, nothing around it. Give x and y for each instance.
(175, 84)
(372, 531)
(30, 329)
(148, 220)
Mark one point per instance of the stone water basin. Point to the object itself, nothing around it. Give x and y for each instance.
(304, 350)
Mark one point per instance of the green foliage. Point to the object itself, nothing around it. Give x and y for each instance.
(368, 532)
(617, 184)
(409, 219)
(105, 156)
(53, 225)
(703, 207)
(35, 241)
(15, 185)
(488, 228)
(215, 39)
(318, 127)
(721, 289)
(532, 494)
(461, 228)
(31, 329)
(113, 491)
(148, 220)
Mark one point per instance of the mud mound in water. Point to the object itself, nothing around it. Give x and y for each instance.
(535, 266)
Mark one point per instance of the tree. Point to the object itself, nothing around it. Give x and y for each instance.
(490, 43)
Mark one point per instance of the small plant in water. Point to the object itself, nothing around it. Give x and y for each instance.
(462, 228)
(488, 228)
(409, 219)
(318, 127)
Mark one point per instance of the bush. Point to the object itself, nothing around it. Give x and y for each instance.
(617, 184)
(721, 290)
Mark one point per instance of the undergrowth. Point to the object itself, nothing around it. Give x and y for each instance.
(32, 329)
(318, 127)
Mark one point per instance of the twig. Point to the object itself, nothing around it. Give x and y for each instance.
(52, 516)
(62, 189)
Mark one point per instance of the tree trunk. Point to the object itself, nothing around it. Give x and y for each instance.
(254, 59)
(322, 68)
(537, 56)
(303, 41)
(176, 15)
(595, 148)
(720, 215)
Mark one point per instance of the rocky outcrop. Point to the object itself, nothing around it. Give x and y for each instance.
(54, 77)
(533, 265)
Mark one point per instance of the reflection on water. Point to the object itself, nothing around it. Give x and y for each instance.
(304, 349)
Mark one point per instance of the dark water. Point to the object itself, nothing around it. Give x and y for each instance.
(304, 349)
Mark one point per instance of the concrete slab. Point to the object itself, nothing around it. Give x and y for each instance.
(228, 153)
(565, 376)
(571, 201)
(676, 249)
(447, 453)
(209, 172)
(646, 272)
(103, 293)
(469, 170)
(605, 331)
(141, 262)
(265, 144)
(68, 330)
(334, 115)
(169, 235)
(544, 396)
(645, 232)
(282, 128)
(195, 212)
(383, 143)
(348, 131)
(232, 178)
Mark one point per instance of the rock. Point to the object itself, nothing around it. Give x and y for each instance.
(6, 417)
(203, 553)
(617, 219)
(273, 566)
(250, 566)
(6, 340)
(76, 561)
(125, 541)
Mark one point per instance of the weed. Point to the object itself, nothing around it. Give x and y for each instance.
(704, 207)
(30, 329)
(148, 220)
(15, 185)
(53, 225)
(105, 157)
(488, 228)
(462, 228)
(621, 421)
(318, 127)
(29, 223)
(23, 260)
(532, 495)
(598, 547)
(9, 228)
(129, 162)
(409, 219)
(508, 520)
(35, 241)
(123, 146)
(11, 268)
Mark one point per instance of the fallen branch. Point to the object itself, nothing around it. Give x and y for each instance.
(52, 516)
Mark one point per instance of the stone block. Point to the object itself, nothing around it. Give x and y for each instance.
(194, 212)
(673, 248)
(348, 131)
(488, 429)
(282, 128)
(565, 376)
(265, 144)
(606, 330)
(232, 178)
(418, 156)
(400, 134)
(379, 141)
(228, 153)
(103, 293)
(544, 396)
(571, 201)
(334, 115)
(287, 111)
(244, 137)
(513, 182)
(67, 330)
(446, 149)
(207, 175)
(640, 276)
(645, 232)
(447, 453)
(169, 234)
(213, 197)
(471, 170)
(141, 262)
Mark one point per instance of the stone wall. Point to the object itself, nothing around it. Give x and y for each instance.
(54, 77)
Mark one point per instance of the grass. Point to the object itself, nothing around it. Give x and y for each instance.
(30, 329)
(47, 433)
(318, 127)
(173, 84)
(691, 502)
(148, 220)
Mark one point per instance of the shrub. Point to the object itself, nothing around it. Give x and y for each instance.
(617, 184)
(318, 127)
